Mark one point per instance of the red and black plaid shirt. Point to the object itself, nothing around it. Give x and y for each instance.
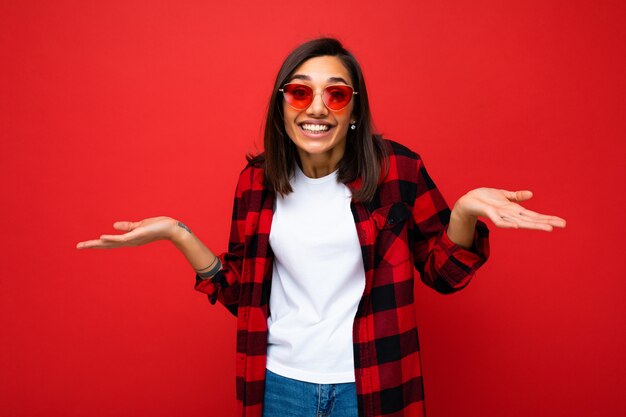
(402, 228)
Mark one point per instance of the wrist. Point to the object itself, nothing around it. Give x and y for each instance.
(461, 227)
(461, 213)
(179, 233)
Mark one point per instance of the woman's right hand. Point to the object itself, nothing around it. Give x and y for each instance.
(138, 233)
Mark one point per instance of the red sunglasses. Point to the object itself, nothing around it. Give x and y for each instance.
(300, 96)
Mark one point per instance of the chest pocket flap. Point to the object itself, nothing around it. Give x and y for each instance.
(390, 217)
(391, 247)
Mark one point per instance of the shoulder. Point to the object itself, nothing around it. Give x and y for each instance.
(402, 163)
(396, 149)
(401, 175)
(255, 162)
(252, 176)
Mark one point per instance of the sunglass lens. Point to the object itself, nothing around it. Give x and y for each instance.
(298, 95)
(337, 97)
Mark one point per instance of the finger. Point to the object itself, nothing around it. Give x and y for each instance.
(82, 245)
(535, 226)
(522, 195)
(528, 212)
(558, 222)
(124, 225)
(115, 238)
(96, 244)
(527, 224)
(529, 215)
(127, 238)
(533, 214)
(87, 244)
(551, 220)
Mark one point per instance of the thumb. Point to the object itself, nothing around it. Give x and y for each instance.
(124, 225)
(519, 195)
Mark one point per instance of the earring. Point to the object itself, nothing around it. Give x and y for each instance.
(353, 125)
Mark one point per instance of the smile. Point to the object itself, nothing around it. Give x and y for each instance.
(315, 128)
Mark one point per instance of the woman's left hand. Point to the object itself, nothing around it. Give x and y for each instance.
(502, 208)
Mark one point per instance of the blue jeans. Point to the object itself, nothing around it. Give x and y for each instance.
(286, 397)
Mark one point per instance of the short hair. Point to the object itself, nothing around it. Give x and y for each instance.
(365, 153)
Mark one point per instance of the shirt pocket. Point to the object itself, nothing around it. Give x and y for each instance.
(391, 245)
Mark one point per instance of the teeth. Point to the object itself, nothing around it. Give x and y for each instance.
(315, 128)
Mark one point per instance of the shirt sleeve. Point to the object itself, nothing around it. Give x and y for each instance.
(224, 286)
(442, 264)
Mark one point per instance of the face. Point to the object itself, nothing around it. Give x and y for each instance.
(317, 131)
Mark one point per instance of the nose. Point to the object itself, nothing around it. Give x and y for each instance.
(317, 107)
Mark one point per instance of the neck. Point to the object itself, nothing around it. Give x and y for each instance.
(320, 165)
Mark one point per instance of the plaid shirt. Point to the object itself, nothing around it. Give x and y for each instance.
(404, 226)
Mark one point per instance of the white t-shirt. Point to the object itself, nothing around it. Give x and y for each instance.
(317, 282)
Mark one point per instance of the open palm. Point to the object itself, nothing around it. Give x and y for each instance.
(138, 233)
(502, 208)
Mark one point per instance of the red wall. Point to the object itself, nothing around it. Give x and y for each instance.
(125, 109)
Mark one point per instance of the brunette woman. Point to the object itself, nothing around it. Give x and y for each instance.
(328, 226)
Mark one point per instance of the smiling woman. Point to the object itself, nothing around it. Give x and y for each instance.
(321, 84)
(317, 129)
(329, 225)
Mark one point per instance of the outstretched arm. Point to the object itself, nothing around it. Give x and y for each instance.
(499, 206)
(201, 259)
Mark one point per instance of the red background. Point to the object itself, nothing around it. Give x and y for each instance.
(124, 109)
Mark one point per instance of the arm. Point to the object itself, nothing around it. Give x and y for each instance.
(224, 285)
(449, 262)
(215, 276)
(218, 277)
(443, 264)
(201, 259)
(158, 228)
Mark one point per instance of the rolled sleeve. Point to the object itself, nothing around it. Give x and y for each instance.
(453, 265)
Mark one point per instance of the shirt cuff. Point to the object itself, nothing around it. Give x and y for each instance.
(473, 257)
(210, 286)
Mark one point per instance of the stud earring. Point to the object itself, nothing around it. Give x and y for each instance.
(353, 125)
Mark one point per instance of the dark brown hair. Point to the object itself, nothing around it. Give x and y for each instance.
(365, 151)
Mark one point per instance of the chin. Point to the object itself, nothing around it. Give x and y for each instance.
(316, 145)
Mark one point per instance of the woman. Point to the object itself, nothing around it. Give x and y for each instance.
(333, 219)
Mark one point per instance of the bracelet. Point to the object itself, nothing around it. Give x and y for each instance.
(207, 267)
(213, 271)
